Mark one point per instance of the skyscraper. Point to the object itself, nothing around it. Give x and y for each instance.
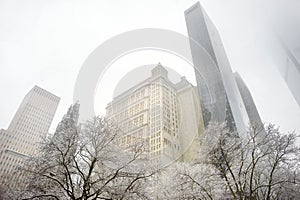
(29, 125)
(255, 120)
(220, 98)
(165, 115)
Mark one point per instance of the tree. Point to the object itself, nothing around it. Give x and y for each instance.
(264, 165)
(85, 163)
(185, 181)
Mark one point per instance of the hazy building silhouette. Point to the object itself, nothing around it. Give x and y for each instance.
(285, 49)
(289, 64)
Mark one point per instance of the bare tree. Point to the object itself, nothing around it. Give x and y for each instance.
(85, 163)
(264, 165)
(186, 181)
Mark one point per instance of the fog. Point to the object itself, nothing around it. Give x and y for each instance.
(45, 43)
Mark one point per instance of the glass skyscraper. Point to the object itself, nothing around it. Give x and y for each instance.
(220, 98)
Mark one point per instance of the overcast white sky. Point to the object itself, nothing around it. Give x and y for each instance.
(45, 43)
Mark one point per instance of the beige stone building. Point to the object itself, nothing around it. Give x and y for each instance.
(26, 130)
(165, 115)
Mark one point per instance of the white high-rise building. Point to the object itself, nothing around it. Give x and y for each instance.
(165, 115)
(26, 130)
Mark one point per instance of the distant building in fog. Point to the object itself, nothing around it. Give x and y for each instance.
(164, 114)
(26, 130)
(220, 98)
(289, 64)
(285, 49)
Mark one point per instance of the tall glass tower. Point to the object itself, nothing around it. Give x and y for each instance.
(220, 98)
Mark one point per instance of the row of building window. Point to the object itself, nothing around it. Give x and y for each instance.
(136, 96)
(128, 112)
(46, 94)
(131, 138)
(132, 123)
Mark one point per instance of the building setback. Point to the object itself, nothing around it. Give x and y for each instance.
(165, 115)
(221, 100)
(26, 130)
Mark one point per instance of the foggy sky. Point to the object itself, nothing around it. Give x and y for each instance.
(44, 43)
